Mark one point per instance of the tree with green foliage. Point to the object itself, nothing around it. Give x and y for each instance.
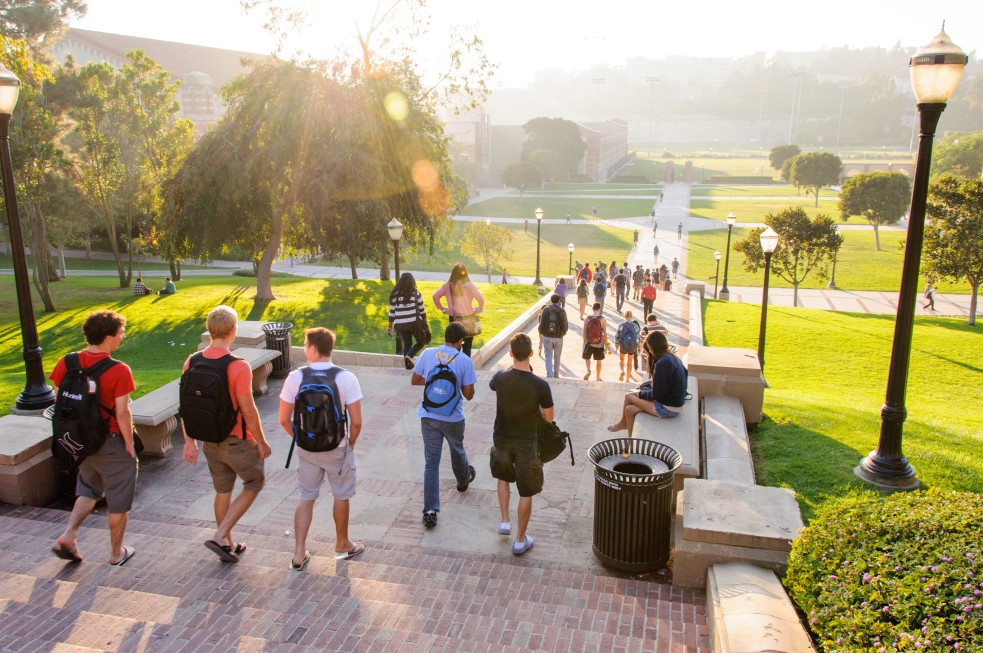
(880, 197)
(522, 175)
(959, 154)
(804, 246)
(549, 162)
(815, 170)
(953, 245)
(557, 135)
(782, 153)
(37, 21)
(488, 243)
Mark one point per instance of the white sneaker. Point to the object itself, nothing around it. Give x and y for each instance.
(505, 528)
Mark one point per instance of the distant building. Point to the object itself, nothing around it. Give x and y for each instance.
(469, 145)
(607, 148)
(202, 70)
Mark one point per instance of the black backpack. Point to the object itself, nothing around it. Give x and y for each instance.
(440, 393)
(319, 418)
(551, 322)
(205, 406)
(78, 426)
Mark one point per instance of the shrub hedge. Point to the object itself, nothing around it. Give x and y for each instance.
(900, 573)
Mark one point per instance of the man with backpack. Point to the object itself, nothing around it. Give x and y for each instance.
(675, 267)
(321, 408)
(620, 288)
(553, 326)
(92, 416)
(447, 375)
(595, 340)
(600, 291)
(627, 339)
(217, 408)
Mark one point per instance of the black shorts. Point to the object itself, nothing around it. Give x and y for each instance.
(517, 461)
(597, 353)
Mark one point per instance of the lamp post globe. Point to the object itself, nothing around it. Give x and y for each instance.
(539, 221)
(570, 265)
(725, 291)
(935, 72)
(769, 242)
(395, 228)
(37, 394)
(716, 275)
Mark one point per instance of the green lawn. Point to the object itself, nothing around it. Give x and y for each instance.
(755, 210)
(590, 189)
(98, 264)
(162, 331)
(774, 190)
(827, 374)
(858, 266)
(557, 208)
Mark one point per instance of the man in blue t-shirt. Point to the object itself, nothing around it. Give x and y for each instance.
(436, 427)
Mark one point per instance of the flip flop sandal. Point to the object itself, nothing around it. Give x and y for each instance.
(128, 552)
(302, 566)
(347, 555)
(240, 549)
(222, 551)
(72, 555)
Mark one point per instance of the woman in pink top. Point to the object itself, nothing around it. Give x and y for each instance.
(460, 295)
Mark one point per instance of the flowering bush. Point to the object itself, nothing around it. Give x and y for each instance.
(900, 573)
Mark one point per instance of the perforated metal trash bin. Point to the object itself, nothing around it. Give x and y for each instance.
(633, 502)
(278, 339)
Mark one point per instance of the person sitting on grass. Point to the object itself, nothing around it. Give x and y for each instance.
(669, 379)
(139, 290)
(169, 287)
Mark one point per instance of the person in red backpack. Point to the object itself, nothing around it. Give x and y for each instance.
(595, 340)
(111, 472)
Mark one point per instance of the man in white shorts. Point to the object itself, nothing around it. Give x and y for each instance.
(337, 465)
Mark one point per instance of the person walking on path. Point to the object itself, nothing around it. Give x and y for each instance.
(600, 292)
(505, 276)
(649, 293)
(244, 449)
(593, 212)
(620, 288)
(668, 377)
(660, 198)
(446, 421)
(635, 237)
(569, 221)
(111, 472)
(514, 457)
(679, 231)
(561, 290)
(929, 297)
(636, 283)
(461, 296)
(655, 253)
(655, 226)
(582, 292)
(406, 311)
(675, 267)
(626, 340)
(595, 340)
(313, 467)
(525, 226)
(552, 328)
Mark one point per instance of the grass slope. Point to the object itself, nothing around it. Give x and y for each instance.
(557, 208)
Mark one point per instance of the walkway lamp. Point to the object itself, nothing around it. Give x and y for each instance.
(539, 222)
(716, 275)
(725, 292)
(37, 394)
(935, 71)
(395, 228)
(570, 264)
(769, 241)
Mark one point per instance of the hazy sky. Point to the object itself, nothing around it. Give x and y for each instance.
(523, 36)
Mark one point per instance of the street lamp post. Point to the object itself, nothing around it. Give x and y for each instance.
(935, 72)
(725, 292)
(36, 395)
(395, 228)
(539, 222)
(570, 265)
(769, 241)
(716, 275)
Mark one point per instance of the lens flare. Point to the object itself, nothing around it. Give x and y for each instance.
(396, 106)
(425, 175)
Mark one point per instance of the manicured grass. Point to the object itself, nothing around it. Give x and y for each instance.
(755, 210)
(586, 188)
(858, 265)
(557, 208)
(827, 373)
(775, 190)
(99, 264)
(162, 331)
(705, 167)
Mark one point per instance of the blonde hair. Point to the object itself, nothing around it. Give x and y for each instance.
(221, 321)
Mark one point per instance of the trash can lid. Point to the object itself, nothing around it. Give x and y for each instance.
(276, 327)
(633, 463)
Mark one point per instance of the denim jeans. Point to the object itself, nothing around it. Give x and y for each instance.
(552, 348)
(434, 433)
(620, 298)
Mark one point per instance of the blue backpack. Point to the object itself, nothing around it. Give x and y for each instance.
(319, 419)
(627, 337)
(440, 392)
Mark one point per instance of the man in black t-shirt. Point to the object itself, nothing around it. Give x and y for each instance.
(520, 395)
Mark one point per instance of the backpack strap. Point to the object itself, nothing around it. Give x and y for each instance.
(73, 364)
(223, 363)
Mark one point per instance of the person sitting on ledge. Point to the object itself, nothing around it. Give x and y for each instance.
(668, 385)
(169, 287)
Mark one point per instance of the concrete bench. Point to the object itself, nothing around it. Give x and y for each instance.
(28, 476)
(681, 433)
(249, 333)
(748, 610)
(155, 413)
(728, 452)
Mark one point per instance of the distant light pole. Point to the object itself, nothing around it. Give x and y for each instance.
(769, 241)
(725, 292)
(395, 228)
(716, 275)
(36, 395)
(597, 81)
(539, 222)
(935, 71)
(570, 265)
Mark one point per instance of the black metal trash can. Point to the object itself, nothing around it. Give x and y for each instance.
(633, 502)
(278, 339)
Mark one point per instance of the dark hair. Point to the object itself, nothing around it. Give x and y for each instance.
(555, 298)
(405, 287)
(140, 279)
(101, 325)
(322, 339)
(521, 346)
(656, 346)
(596, 306)
(583, 282)
(455, 332)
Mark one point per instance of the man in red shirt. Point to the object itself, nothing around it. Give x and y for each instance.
(111, 472)
(240, 455)
(649, 293)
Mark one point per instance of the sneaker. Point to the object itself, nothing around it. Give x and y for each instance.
(505, 528)
(408, 362)
(464, 486)
(520, 548)
(430, 519)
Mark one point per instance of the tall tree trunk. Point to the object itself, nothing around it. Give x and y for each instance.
(88, 248)
(877, 238)
(795, 294)
(264, 286)
(972, 303)
(41, 252)
(351, 264)
(173, 266)
(61, 260)
(384, 267)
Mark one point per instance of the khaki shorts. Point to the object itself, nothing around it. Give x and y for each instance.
(337, 466)
(111, 473)
(233, 458)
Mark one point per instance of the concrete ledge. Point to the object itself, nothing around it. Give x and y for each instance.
(696, 319)
(681, 433)
(731, 372)
(695, 287)
(28, 476)
(737, 514)
(728, 453)
(249, 333)
(748, 610)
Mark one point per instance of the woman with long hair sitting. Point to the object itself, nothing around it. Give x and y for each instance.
(461, 296)
(406, 311)
(668, 377)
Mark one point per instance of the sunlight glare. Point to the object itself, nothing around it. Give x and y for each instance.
(396, 106)
(425, 175)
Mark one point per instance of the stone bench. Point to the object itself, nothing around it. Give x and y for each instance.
(28, 476)
(155, 413)
(249, 333)
(748, 610)
(681, 433)
(728, 452)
